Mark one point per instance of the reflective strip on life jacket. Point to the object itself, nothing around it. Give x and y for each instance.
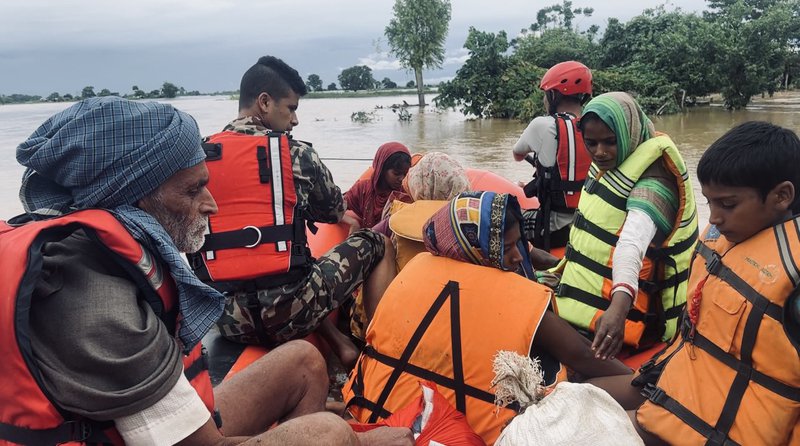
(735, 376)
(27, 413)
(584, 292)
(257, 231)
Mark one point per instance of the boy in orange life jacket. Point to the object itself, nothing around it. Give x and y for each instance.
(293, 295)
(733, 374)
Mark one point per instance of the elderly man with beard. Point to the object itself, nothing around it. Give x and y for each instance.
(102, 319)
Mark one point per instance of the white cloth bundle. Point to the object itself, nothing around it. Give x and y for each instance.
(572, 414)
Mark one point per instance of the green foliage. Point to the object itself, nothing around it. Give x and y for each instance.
(388, 83)
(54, 97)
(559, 15)
(757, 38)
(416, 35)
(169, 90)
(87, 92)
(314, 83)
(410, 84)
(332, 86)
(554, 46)
(651, 89)
(356, 78)
(363, 117)
(475, 87)
(739, 48)
(19, 98)
(402, 113)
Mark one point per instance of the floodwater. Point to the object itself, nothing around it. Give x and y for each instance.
(347, 146)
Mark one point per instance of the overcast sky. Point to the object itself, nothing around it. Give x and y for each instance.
(206, 45)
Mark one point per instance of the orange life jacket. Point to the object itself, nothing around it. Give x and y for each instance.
(27, 414)
(558, 187)
(257, 231)
(734, 377)
(443, 320)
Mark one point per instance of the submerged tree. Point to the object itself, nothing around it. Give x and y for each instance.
(416, 35)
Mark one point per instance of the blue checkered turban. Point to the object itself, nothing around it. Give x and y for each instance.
(109, 153)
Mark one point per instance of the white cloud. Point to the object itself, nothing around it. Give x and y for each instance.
(380, 62)
(457, 57)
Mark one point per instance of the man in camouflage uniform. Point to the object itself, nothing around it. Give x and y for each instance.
(269, 96)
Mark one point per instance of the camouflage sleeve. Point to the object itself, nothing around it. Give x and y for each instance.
(325, 202)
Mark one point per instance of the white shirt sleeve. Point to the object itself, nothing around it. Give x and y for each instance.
(539, 137)
(637, 233)
(176, 416)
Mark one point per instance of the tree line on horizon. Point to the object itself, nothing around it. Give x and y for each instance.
(355, 78)
(167, 90)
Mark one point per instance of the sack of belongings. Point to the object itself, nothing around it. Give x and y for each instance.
(571, 414)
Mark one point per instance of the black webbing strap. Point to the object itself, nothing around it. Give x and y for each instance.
(264, 172)
(594, 187)
(581, 222)
(651, 287)
(716, 267)
(578, 294)
(250, 236)
(559, 185)
(459, 386)
(359, 399)
(85, 431)
(402, 363)
(765, 381)
(657, 396)
(428, 375)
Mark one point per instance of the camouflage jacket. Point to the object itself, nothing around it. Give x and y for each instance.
(316, 192)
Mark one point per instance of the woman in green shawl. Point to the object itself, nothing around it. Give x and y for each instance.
(624, 272)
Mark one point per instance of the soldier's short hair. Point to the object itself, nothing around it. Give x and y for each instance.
(270, 75)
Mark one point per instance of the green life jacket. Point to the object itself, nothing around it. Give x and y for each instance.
(586, 282)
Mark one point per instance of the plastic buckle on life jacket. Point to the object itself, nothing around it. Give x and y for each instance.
(713, 266)
(654, 393)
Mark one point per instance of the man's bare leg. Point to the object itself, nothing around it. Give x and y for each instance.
(290, 381)
(341, 345)
(380, 278)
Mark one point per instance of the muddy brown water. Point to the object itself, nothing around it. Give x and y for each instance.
(345, 144)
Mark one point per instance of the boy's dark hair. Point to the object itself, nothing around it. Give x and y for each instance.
(397, 161)
(270, 75)
(754, 154)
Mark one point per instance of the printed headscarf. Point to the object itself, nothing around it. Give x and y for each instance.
(623, 115)
(471, 229)
(109, 153)
(437, 176)
(363, 198)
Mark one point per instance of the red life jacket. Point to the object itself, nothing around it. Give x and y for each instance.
(257, 231)
(27, 414)
(562, 182)
(558, 187)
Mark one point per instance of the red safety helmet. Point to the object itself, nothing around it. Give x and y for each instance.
(568, 78)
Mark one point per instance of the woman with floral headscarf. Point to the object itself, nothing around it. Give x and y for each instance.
(450, 310)
(625, 269)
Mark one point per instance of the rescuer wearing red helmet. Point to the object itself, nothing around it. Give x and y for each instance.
(561, 159)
